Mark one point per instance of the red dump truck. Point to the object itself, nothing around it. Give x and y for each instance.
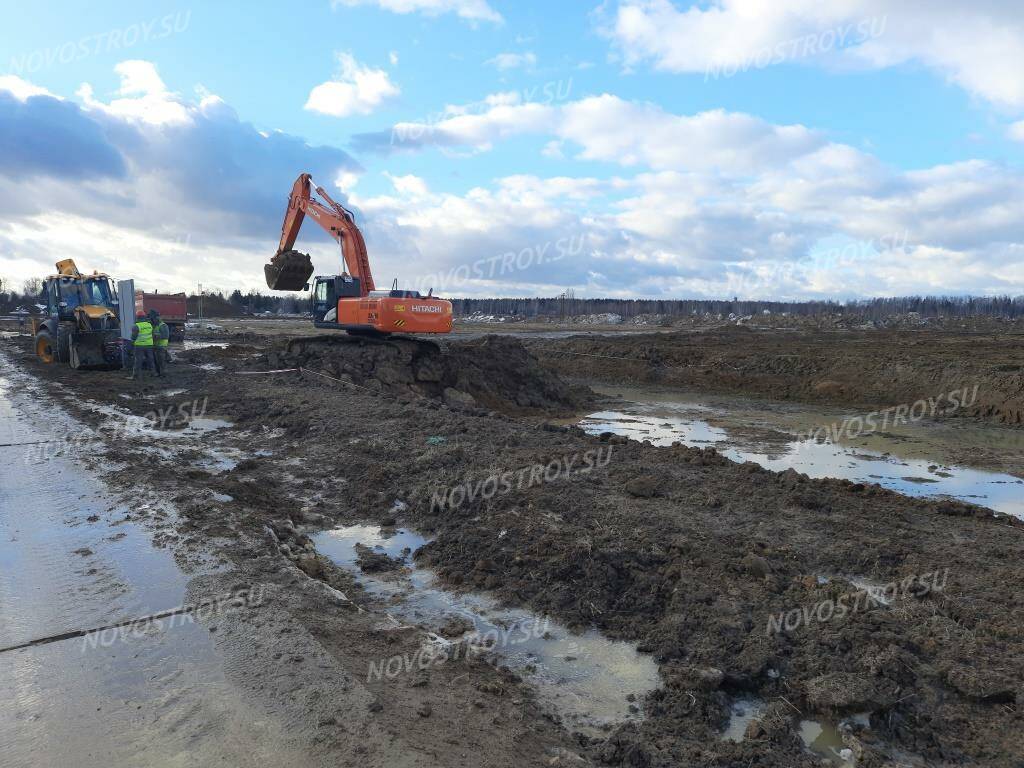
(171, 307)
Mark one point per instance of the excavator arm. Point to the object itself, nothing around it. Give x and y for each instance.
(289, 269)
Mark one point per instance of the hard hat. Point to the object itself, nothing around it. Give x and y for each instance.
(140, 315)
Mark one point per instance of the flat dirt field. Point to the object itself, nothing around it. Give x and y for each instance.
(859, 368)
(746, 588)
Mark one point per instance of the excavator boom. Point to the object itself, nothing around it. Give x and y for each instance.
(289, 269)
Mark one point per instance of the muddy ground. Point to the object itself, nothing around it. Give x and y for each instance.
(690, 555)
(868, 369)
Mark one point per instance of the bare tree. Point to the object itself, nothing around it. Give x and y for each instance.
(32, 286)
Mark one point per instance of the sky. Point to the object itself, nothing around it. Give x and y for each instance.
(784, 149)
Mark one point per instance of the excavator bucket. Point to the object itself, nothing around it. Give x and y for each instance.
(288, 271)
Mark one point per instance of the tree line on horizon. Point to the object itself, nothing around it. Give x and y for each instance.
(216, 304)
(867, 309)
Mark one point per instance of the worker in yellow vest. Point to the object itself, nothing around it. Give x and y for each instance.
(142, 345)
(161, 340)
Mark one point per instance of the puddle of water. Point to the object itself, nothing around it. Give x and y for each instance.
(665, 422)
(220, 459)
(340, 544)
(190, 344)
(819, 736)
(741, 714)
(164, 393)
(210, 367)
(129, 425)
(875, 590)
(822, 738)
(201, 425)
(72, 558)
(585, 677)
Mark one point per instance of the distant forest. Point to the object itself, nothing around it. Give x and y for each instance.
(868, 309)
(567, 306)
(254, 302)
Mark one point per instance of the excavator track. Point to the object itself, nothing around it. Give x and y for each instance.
(407, 345)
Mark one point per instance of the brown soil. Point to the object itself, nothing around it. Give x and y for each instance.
(494, 373)
(679, 549)
(866, 368)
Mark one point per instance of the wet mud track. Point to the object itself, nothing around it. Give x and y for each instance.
(689, 555)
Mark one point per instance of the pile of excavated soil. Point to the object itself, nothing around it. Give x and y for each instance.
(494, 373)
(877, 368)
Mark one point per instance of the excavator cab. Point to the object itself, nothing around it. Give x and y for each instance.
(327, 291)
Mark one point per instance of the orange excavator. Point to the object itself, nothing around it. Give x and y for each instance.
(349, 301)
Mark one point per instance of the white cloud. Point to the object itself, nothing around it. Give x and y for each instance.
(149, 185)
(145, 98)
(553, 150)
(614, 130)
(715, 203)
(723, 203)
(21, 89)
(1016, 131)
(471, 10)
(393, 58)
(355, 90)
(951, 229)
(970, 44)
(408, 186)
(499, 116)
(506, 61)
(346, 181)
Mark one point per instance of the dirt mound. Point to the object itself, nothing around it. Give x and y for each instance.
(494, 373)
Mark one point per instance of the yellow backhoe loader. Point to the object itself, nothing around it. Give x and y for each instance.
(82, 327)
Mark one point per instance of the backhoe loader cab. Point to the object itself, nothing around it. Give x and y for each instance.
(81, 327)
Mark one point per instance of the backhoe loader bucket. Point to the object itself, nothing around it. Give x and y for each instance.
(94, 349)
(288, 271)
